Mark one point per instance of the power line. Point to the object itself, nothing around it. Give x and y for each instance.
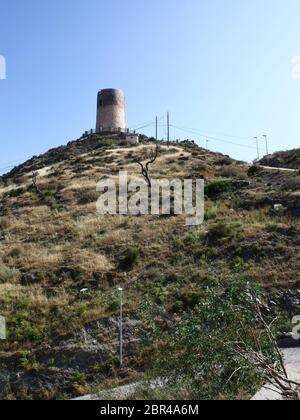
(167, 125)
(8, 167)
(163, 123)
(148, 123)
(207, 134)
(212, 138)
(12, 164)
(144, 126)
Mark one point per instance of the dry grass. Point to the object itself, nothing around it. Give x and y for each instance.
(66, 246)
(30, 257)
(90, 262)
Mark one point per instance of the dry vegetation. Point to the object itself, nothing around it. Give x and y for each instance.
(53, 245)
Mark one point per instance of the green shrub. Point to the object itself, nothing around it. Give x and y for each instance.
(220, 230)
(27, 361)
(226, 160)
(8, 275)
(17, 192)
(78, 382)
(87, 197)
(188, 298)
(21, 328)
(233, 171)
(255, 170)
(15, 252)
(114, 303)
(211, 212)
(293, 184)
(206, 349)
(131, 257)
(217, 188)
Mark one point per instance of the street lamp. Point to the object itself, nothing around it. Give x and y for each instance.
(256, 139)
(267, 145)
(120, 289)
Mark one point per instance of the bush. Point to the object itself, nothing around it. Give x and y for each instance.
(16, 193)
(233, 172)
(211, 212)
(132, 255)
(78, 382)
(87, 197)
(22, 329)
(255, 170)
(217, 188)
(226, 160)
(200, 352)
(293, 184)
(8, 275)
(188, 298)
(220, 230)
(15, 252)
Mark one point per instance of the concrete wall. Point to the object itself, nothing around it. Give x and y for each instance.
(111, 111)
(133, 138)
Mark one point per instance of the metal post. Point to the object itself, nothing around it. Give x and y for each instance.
(168, 118)
(256, 139)
(121, 326)
(156, 128)
(267, 145)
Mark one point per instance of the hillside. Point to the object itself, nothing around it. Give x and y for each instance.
(289, 159)
(61, 341)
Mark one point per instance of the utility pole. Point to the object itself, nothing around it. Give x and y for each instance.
(256, 139)
(267, 145)
(168, 124)
(156, 128)
(121, 325)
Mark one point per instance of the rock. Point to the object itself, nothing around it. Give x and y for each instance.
(278, 209)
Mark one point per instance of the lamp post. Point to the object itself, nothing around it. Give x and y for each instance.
(267, 145)
(257, 146)
(120, 289)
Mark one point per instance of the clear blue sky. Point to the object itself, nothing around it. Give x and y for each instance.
(220, 66)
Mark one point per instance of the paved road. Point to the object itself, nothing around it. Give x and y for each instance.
(292, 364)
(271, 168)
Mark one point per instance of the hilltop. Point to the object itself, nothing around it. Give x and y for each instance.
(289, 159)
(62, 341)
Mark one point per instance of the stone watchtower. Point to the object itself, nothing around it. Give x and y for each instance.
(111, 116)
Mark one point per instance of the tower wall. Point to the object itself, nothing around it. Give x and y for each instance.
(111, 115)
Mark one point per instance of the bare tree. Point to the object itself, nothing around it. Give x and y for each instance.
(145, 166)
(34, 183)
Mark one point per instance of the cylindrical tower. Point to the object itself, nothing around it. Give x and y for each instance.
(110, 111)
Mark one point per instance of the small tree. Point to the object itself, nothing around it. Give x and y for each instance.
(222, 348)
(34, 183)
(145, 166)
